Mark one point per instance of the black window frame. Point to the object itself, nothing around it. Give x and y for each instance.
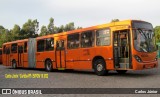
(72, 41)
(39, 47)
(25, 47)
(90, 39)
(14, 48)
(50, 46)
(4, 49)
(107, 36)
(0, 52)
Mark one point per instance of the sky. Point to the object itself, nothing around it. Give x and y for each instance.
(83, 13)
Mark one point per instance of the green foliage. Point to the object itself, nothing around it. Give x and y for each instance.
(157, 33)
(114, 20)
(5, 36)
(44, 31)
(51, 26)
(29, 29)
(15, 32)
(51, 29)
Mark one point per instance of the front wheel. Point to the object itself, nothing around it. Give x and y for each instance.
(100, 67)
(48, 66)
(121, 71)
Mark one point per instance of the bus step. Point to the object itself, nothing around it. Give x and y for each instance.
(61, 68)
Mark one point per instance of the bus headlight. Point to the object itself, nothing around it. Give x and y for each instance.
(137, 58)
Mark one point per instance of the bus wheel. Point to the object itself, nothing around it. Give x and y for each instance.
(100, 67)
(48, 66)
(14, 64)
(121, 71)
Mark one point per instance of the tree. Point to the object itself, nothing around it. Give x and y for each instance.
(5, 36)
(15, 32)
(157, 33)
(114, 20)
(69, 26)
(1, 29)
(30, 29)
(51, 26)
(44, 31)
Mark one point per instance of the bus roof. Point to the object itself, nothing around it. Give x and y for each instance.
(17, 41)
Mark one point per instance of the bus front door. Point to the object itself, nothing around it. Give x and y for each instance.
(122, 51)
(60, 55)
(20, 56)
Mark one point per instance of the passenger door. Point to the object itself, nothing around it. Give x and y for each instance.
(122, 49)
(20, 56)
(60, 54)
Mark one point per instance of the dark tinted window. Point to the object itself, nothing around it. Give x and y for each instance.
(20, 49)
(87, 39)
(4, 49)
(8, 50)
(49, 44)
(40, 45)
(102, 37)
(0, 52)
(143, 25)
(25, 47)
(14, 48)
(73, 41)
(60, 45)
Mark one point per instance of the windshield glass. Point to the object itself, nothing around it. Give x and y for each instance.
(144, 40)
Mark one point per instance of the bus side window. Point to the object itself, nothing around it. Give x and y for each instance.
(4, 49)
(0, 52)
(25, 47)
(102, 37)
(40, 45)
(87, 39)
(14, 48)
(73, 41)
(49, 44)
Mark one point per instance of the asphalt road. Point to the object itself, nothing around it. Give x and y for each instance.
(149, 78)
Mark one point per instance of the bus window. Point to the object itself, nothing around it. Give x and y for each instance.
(7, 50)
(14, 48)
(4, 49)
(40, 45)
(25, 47)
(102, 37)
(87, 39)
(0, 52)
(73, 41)
(49, 44)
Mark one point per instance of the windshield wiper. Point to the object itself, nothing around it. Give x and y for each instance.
(142, 33)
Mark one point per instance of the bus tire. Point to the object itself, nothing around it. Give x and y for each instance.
(100, 67)
(48, 66)
(14, 64)
(121, 71)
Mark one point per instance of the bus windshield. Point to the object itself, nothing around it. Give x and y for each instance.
(144, 38)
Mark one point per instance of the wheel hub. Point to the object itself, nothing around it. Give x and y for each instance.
(99, 67)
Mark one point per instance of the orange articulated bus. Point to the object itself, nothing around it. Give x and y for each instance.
(0, 55)
(121, 46)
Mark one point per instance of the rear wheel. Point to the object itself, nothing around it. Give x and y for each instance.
(48, 66)
(100, 67)
(121, 71)
(14, 64)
